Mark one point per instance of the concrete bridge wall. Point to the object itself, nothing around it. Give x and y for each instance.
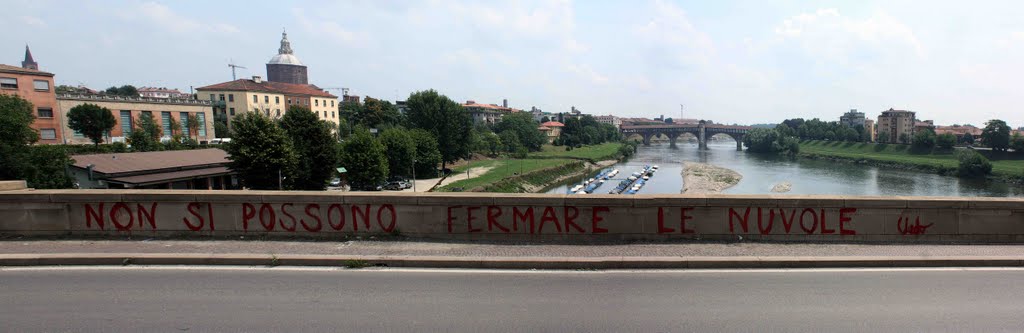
(479, 216)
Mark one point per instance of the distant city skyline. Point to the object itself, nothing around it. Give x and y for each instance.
(733, 62)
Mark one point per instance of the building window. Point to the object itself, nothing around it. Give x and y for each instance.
(332, 113)
(48, 134)
(184, 124)
(201, 117)
(267, 112)
(231, 97)
(278, 112)
(316, 102)
(78, 134)
(277, 99)
(41, 85)
(221, 97)
(332, 103)
(8, 83)
(266, 99)
(213, 97)
(232, 110)
(45, 113)
(289, 101)
(126, 122)
(147, 114)
(165, 120)
(255, 98)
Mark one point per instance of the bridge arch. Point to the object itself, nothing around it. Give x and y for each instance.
(702, 131)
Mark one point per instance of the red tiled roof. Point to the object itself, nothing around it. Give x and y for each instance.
(19, 70)
(472, 104)
(553, 124)
(544, 128)
(267, 86)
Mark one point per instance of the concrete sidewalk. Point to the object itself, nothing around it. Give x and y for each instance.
(394, 253)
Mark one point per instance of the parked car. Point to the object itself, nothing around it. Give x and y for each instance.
(397, 185)
(335, 182)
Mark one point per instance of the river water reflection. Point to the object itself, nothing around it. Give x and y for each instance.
(807, 176)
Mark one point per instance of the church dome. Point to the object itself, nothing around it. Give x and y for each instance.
(284, 54)
(285, 59)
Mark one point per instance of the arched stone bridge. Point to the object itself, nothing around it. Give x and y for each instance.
(673, 131)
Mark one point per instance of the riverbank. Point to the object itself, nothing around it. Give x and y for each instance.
(701, 178)
(539, 171)
(1005, 167)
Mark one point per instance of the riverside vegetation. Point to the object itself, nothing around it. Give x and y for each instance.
(539, 170)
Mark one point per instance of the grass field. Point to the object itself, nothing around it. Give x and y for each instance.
(501, 169)
(595, 153)
(1004, 165)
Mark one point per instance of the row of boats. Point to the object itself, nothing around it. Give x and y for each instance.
(635, 182)
(590, 185)
(630, 185)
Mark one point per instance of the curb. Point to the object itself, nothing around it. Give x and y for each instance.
(355, 261)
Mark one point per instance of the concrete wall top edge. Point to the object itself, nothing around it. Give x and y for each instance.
(520, 199)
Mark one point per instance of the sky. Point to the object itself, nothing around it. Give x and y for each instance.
(744, 62)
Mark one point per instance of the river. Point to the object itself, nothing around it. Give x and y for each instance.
(807, 176)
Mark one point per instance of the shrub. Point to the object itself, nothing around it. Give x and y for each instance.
(972, 164)
(946, 140)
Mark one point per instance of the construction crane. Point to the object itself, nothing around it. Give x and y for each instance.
(233, 67)
(344, 91)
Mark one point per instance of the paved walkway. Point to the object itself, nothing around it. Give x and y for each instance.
(431, 248)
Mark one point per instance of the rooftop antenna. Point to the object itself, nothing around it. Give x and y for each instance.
(680, 112)
(233, 67)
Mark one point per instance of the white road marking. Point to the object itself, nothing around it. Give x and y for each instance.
(503, 271)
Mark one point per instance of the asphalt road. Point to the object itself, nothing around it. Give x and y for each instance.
(287, 300)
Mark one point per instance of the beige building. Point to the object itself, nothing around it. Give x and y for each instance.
(869, 126)
(127, 111)
(894, 123)
(286, 86)
(270, 98)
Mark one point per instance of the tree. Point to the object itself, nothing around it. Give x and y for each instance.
(904, 138)
(48, 168)
(220, 130)
(260, 151)
(883, 137)
(400, 150)
(492, 143)
(93, 121)
(509, 141)
(525, 129)
(316, 149)
(192, 123)
(125, 90)
(924, 139)
(996, 135)
(767, 140)
(545, 119)
(376, 113)
(146, 134)
(972, 164)
(1017, 143)
(967, 139)
(365, 160)
(16, 134)
(945, 140)
(427, 154)
(444, 119)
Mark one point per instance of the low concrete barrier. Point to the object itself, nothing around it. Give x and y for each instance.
(483, 216)
(11, 185)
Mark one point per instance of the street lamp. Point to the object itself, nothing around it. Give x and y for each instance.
(414, 175)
